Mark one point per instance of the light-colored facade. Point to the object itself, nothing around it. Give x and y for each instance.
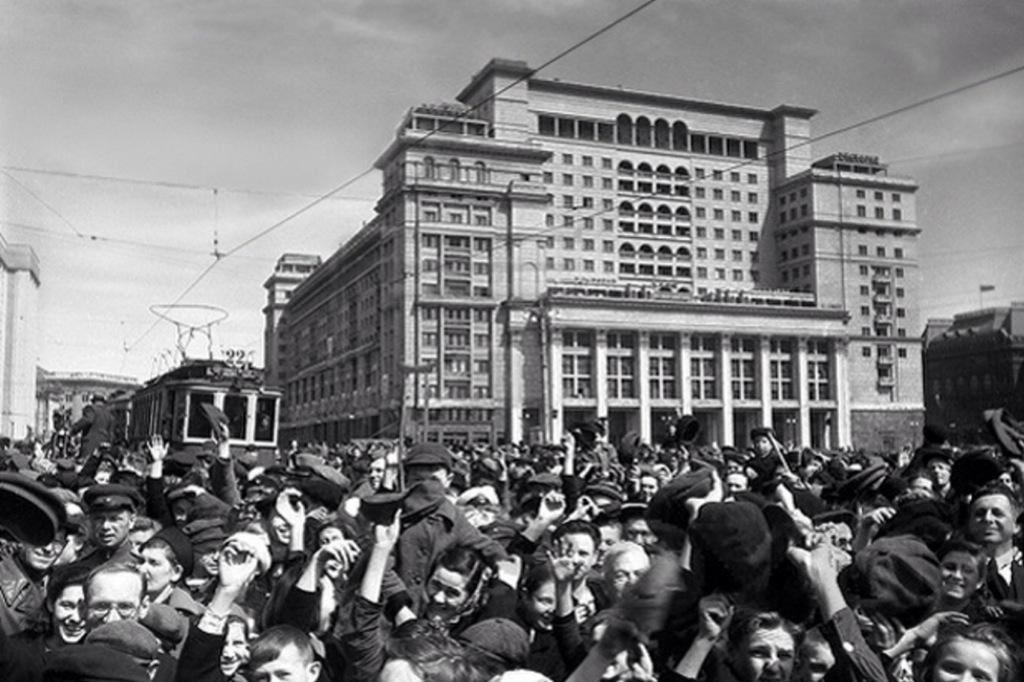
(67, 393)
(290, 270)
(545, 252)
(19, 331)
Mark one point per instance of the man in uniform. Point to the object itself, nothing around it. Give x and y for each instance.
(111, 510)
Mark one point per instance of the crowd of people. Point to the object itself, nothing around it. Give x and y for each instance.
(578, 561)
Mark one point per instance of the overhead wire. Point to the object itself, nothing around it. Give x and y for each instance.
(419, 141)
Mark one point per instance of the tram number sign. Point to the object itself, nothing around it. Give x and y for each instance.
(238, 357)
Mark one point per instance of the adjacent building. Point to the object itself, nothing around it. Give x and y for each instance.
(290, 270)
(546, 252)
(61, 396)
(19, 294)
(972, 363)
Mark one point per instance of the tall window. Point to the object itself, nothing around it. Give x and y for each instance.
(744, 382)
(663, 377)
(781, 361)
(577, 365)
(818, 384)
(621, 366)
(703, 368)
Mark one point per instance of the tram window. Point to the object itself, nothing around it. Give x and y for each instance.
(236, 407)
(265, 409)
(198, 426)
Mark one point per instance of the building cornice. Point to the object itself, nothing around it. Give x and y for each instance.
(481, 146)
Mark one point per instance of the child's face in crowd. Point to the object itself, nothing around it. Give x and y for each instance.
(963, 660)
(766, 656)
(960, 575)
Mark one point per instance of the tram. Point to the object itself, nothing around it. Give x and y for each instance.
(171, 405)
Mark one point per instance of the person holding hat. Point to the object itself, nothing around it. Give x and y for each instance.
(111, 511)
(23, 575)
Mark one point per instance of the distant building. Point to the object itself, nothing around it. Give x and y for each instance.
(972, 363)
(19, 337)
(568, 251)
(291, 269)
(67, 394)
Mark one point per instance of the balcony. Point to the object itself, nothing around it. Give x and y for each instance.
(884, 361)
(886, 381)
(879, 278)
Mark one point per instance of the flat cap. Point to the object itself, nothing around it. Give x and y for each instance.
(92, 663)
(429, 454)
(111, 497)
(128, 637)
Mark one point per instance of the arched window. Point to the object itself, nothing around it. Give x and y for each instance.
(683, 289)
(664, 211)
(679, 136)
(480, 170)
(429, 168)
(624, 129)
(682, 213)
(682, 173)
(456, 170)
(646, 251)
(644, 168)
(683, 252)
(625, 208)
(643, 132)
(627, 250)
(664, 253)
(645, 208)
(662, 135)
(664, 170)
(625, 168)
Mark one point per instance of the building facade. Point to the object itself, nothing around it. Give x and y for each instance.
(19, 330)
(290, 270)
(545, 252)
(63, 395)
(972, 363)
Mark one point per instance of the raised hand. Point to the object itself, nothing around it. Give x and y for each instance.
(715, 614)
(386, 536)
(563, 568)
(510, 570)
(157, 448)
(237, 567)
(552, 508)
(289, 507)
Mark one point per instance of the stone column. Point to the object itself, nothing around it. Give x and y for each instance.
(725, 372)
(553, 391)
(601, 372)
(839, 386)
(803, 392)
(765, 372)
(683, 373)
(514, 372)
(643, 375)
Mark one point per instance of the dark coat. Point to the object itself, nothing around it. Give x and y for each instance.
(21, 599)
(97, 424)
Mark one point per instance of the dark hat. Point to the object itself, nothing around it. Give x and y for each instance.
(29, 510)
(973, 471)
(931, 521)
(843, 516)
(687, 429)
(667, 513)
(896, 575)
(585, 433)
(322, 492)
(430, 455)
(181, 547)
(331, 475)
(761, 431)
(632, 510)
(862, 483)
(167, 623)
(500, 640)
(605, 489)
(216, 418)
(735, 543)
(380, 508)
(111, 497)
(180, 462)
(927, 453)
(128, 637)
(934, 434)
(1008, 432)
(629, 446)
(92, 663)
(205, 534)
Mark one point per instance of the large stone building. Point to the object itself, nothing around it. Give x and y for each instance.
(19, 295)
(67, 393)
(972, 363)
(545, 252)
(290, 270)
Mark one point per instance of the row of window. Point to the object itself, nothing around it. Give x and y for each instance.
(659, 134)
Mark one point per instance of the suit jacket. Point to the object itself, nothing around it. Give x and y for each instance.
(1002, 590)
(97, 424)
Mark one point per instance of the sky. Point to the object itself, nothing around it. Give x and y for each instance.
(132, 133)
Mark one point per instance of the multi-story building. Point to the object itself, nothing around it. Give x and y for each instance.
(19, 295)
(290, 270)
(972, 363)
(546, 252)
(67, 393)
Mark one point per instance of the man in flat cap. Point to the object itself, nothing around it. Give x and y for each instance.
(111, 510)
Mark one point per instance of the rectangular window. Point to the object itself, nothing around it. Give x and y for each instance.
(704, 368)
(662, 372)
(780, 360)
(744, 374)
(818, 370)
(620, 376)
